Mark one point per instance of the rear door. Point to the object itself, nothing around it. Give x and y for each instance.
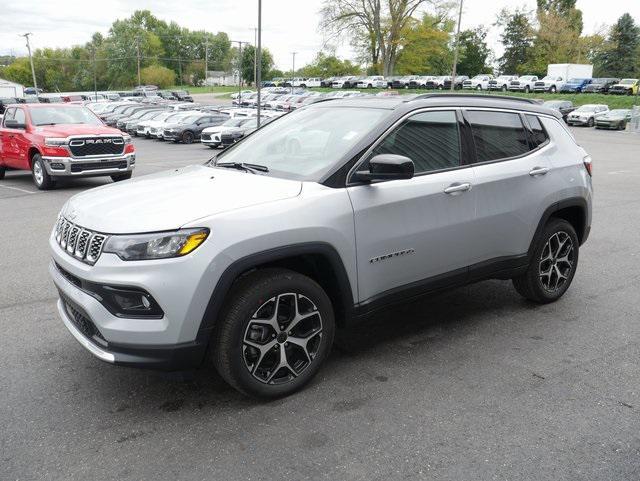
(514, 181)
(409, 231)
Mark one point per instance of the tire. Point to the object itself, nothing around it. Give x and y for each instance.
(557, 241)
(2, 172)
(262, 375)
(590, 122)
(121, 177)
(187, 137)
(479, 87)
(553, 89)
(303, 86)
(527, 89)
(39, 173)
(504, 88)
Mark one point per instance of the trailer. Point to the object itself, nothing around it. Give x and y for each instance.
(10, 89)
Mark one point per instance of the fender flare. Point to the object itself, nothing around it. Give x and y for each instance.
(552, 209)
(244, 264)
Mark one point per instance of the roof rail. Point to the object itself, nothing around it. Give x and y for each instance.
(474, 96)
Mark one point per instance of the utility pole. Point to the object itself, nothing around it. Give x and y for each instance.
(206, 60)
(138, 58)
(293, 69)
(455, 52)
(255, 55)
(33, 70)
(239, 42)
(95, 75)
(259, 57)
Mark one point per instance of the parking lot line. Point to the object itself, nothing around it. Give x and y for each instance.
(19, 189)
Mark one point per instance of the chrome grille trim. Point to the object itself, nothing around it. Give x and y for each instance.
(81, 243)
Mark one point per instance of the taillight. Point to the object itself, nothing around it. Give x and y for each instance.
(588, 164)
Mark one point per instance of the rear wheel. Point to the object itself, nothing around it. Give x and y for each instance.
(553, 263)
(120, 177)
(504, 88)
(40, 175)
(590, 122)
(274, 333)
(479, 87)
(2, 171)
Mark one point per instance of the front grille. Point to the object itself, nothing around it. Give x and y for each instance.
(81, 320)
(83, 244)
(206, 137)
(82, 166)
(539, 84)
(82, 147)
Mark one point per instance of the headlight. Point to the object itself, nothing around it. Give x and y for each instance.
(55, 142)
(127, 139)
(159, 245)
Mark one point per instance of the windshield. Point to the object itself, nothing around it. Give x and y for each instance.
(305, 143)
(586, 108)
(552, 104)
(63, 115)
(627, 81)
(619, 112)
(576, 80)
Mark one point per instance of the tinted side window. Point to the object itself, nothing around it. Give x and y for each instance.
(497, 135)
(539, 136)
(430, 139)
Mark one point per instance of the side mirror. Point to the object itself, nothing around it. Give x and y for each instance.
(13, 124)
(386, 167)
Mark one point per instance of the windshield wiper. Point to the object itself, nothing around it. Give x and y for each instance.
(253, 168)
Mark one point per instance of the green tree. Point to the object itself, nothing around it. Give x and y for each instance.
(474, 53)
(324, 65)
(158, 75)
(517, 38)
(563, 8)
(19, 71)
(425, 47)
(620, 55)
(247, 63)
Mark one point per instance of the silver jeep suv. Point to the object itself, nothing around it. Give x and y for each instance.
(250, 262)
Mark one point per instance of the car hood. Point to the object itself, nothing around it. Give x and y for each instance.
(613, 117)
(65, 130)
(175, 126)
(171, 199)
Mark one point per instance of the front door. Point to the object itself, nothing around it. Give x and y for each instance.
(408, 231)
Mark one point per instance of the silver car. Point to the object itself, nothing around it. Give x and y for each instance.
(323, 216)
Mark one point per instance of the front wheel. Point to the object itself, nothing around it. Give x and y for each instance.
(527, 89)
(479, 87)
(590, 122)
(553, 263)
(553, 89)
(188, 137)
(275, 332)
(2, 172)
(41, 177)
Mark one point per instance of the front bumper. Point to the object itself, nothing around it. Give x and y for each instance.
(612, 125)
(577, 121)
(89, 166)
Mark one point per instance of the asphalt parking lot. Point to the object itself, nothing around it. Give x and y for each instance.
(475, 384)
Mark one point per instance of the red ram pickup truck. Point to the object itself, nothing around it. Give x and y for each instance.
(62, 140)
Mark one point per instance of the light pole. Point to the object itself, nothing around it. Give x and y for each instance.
(255, 54)
(293, 69)
(33, 70)
(239, 42)
(259, 57)
(455, 52)
(206, 60)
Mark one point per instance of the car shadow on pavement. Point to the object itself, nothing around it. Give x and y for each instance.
(443, 318)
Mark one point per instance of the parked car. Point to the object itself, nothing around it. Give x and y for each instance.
(57, 141)
(502, 82)
(138, 114)
(626, 86)
(341, 82)
(211, 136)
(250, 263)
(460, 79)
(563, 107)
(403, 82)
(575, 85)
(352, 82)
(372, 82)
(616, 119)
(308, 82)
(132, 124)
(144, 126)
(550, 83)
(438, 82)
(156, 128)
(525, 83)
(479, 82)
(32, 91)
(7, 101)
(189, 128)
(600, 85)
(182, 95)
(326, 83)
(587, 114)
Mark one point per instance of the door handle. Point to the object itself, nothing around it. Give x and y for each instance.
(457, 187)
(538, 171)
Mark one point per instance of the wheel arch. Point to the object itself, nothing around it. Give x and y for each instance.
(574, 210)
(317, 260)
(30, 153)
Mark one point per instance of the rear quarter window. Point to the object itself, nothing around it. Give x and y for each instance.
(497, 135)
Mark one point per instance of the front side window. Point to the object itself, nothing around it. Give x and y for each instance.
(497, 135)
(9, 114)
(430, 139)
(20, 116)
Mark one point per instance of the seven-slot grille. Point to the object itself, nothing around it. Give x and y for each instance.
(82, 147)
(78, 242)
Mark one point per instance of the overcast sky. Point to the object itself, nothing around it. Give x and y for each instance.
(288, 25)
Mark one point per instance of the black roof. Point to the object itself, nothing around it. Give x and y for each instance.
(412, 102)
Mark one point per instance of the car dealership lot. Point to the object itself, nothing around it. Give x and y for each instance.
(473, 384)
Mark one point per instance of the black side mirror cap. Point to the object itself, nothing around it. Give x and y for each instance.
(386, 167)
(14, 124)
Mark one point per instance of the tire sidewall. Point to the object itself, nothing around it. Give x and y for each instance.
(289, 282)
